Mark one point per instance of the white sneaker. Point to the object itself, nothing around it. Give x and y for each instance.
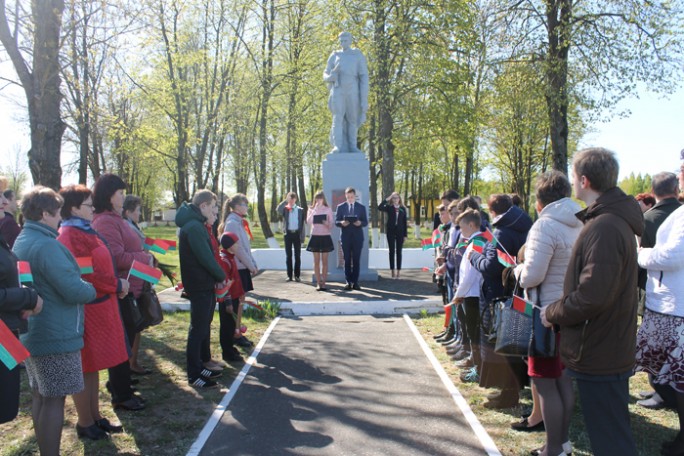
(654, 402)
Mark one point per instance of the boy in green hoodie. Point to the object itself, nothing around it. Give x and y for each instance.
(201, 273)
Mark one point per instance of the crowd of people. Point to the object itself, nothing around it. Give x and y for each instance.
(67, 291)
(586, 271)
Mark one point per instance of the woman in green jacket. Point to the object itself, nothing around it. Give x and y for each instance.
(55, 336)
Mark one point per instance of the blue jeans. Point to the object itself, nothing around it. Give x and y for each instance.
(604, 400)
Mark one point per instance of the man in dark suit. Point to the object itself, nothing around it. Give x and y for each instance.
(351, 218)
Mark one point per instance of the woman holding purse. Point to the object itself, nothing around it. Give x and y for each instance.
(125, 245)
(547, 253)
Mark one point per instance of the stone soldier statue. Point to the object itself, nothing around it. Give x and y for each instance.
(347, 76)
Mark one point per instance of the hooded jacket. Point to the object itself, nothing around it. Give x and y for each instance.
(199, 269)
(548, 250)
(510, 230)
(597, 314)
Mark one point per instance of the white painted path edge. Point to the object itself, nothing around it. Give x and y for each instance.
(478, 429)
(220, 409)
(459, 400)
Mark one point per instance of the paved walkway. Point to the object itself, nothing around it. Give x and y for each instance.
(342, 385)
(357, 385)
(272, 285)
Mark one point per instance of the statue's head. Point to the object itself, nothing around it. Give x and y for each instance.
(345, 40)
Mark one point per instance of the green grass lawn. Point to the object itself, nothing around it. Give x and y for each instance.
(176, 413)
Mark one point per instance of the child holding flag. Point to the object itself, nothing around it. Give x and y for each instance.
(469, 283)
(200, 273)
(16, 304)
(230, 304)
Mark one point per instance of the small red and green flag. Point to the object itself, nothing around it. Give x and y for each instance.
(221, 292)
(426, 269)
(156, 245)
(85, 264)
(145, 272)
(489, 236)
(171, 243)
(505, 259)
(477, 241)
(436, 238)
(12, 352)
(478, 245)
(522, 306)
(427, 244)
(24, 269)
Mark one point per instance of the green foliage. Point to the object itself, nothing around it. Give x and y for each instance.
(633, 185)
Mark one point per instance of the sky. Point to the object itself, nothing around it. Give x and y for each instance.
(650, 139)
(647, 141)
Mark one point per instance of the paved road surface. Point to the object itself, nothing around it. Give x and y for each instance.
(341, 385)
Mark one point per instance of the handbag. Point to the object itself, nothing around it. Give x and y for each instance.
(150, 307)
(514, 332)
(490, 319)
(543, 340)
(130, 312)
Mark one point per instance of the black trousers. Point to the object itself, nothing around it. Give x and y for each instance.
(228, 325)
(351, 249)
(396, 244)
(198, 349)
(293, 243)
(120, 375)
(471, 311)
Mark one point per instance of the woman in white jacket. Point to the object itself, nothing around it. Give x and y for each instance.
(547, 254)
(660, 340)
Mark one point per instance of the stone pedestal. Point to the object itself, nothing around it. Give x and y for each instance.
(342, 170)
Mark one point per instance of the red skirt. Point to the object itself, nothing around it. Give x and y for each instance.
(545, 367)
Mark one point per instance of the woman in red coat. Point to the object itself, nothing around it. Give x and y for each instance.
(104, 345)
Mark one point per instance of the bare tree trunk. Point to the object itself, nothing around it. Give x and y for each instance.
(268, 12)
(385, 120)
(372, 143)
(41, 86)
(559, 28)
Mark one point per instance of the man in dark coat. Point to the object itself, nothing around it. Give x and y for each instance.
(597, 314)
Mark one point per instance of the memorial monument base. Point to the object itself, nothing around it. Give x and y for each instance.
(342, 170)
